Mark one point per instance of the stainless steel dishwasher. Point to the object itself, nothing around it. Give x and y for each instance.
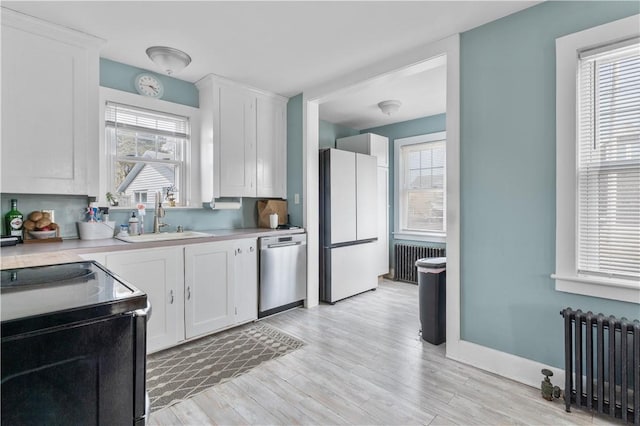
(283, 273)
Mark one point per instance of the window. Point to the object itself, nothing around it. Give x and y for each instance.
(147, 152)
(598, 162)
(420, 194)
(140, 197)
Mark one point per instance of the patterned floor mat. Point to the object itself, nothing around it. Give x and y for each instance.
(178, 373)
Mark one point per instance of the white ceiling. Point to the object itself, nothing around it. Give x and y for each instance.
(283, 47)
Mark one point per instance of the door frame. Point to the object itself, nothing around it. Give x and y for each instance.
(404, 64)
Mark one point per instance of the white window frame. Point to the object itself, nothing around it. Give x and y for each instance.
(192, 197)
(567, 63)
(436, 237)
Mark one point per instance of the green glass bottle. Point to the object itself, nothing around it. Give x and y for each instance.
(13, 220)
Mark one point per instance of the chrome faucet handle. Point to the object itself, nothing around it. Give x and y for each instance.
(180, 228)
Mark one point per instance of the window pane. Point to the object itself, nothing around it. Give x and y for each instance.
(439, 156)
(135, 177)
(609, 164)
(422, 200)
(414, 179)
(414, 160)
(425, 158)
(426, 178)
(425, 210)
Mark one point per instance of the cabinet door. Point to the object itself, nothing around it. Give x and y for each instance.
(271, 163)
(379, 148)
(382, 245)
(237, 127)
(49, 112)
(159, 273)
(209, 276)
(246, 281)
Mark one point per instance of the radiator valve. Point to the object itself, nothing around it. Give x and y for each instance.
(548, 390)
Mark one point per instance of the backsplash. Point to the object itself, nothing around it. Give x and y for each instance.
(70, 209)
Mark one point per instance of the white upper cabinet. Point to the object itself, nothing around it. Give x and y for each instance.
(271, 159)
(50, 79)
(237, 134)
(367, 143)
(243, 141)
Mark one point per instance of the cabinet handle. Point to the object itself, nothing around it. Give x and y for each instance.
(171, 296)
(251, 249)
(239, 251)
(188, 293)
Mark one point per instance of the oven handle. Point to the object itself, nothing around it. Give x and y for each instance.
(140, 317)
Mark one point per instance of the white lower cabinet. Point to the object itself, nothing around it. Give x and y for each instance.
(159, 273)
(194, 290)
(208, 277)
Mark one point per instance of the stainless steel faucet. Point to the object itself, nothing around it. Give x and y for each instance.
(158, 214)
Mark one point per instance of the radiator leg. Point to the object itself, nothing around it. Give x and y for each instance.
(636, 374)
(567, 359)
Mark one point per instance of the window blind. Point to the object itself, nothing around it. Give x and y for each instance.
(609, 161)
(143, 120)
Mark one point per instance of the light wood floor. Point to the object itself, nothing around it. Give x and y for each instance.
(364, 364)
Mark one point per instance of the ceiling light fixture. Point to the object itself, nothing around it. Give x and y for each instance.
(170, 60)
(389, 107)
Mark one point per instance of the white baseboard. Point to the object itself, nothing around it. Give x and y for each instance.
(513, 367)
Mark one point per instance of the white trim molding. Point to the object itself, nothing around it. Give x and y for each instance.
(567, 61)
(516, 368)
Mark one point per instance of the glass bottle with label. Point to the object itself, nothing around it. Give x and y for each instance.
(13, 220)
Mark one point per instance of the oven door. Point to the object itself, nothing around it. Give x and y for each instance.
(84, 374)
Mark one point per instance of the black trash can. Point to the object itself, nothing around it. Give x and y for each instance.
(432, 278)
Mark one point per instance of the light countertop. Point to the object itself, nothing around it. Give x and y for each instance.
(25, 255)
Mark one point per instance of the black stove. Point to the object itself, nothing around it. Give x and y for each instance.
(45, 296)
(73, 346)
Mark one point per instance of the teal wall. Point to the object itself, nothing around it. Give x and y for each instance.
(329, 132)
(294, 159)
(419, 126)
(507, 154)
(116, 75)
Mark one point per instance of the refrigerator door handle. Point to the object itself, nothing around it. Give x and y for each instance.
(354, 243)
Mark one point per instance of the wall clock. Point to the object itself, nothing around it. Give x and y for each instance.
(149, 85)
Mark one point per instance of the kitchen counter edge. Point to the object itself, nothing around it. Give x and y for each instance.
(22, 255)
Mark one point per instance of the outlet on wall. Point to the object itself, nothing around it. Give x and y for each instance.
(296, 198)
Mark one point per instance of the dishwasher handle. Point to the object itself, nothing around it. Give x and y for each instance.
(287, 244)
(266, 243)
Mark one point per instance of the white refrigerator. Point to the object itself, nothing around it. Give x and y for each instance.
(348, 224)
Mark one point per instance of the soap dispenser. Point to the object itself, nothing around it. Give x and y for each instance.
(133, 224)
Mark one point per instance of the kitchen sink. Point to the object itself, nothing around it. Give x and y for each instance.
(163, 236)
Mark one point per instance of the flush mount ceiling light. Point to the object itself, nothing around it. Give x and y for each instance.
(389, 107)
(170, 60)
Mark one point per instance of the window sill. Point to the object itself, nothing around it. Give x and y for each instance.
(420, 236)
(606, 288)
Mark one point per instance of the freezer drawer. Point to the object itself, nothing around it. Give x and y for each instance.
(283, 272)
(349, 270)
